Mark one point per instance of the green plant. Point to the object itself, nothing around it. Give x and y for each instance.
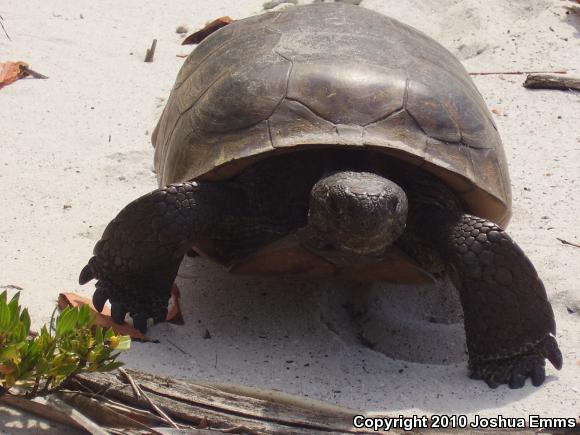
(39, 364)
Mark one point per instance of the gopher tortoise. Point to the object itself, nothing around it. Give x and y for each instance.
(330, 140)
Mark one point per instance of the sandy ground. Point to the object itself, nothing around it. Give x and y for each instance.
(75, 149)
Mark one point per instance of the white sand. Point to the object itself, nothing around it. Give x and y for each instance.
(81, 139)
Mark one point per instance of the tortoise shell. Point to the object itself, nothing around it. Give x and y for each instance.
(331, 75)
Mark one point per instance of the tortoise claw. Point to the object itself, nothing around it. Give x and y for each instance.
(552, 352)
(491, 384)
(86, 274)
(514, 370)
(538, 375)
(118, 312)
(161, 317)
(517, 381)
(140, 322)
(100, 296)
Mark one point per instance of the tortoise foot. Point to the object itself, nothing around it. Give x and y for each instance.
(514, 370)
(124, 301)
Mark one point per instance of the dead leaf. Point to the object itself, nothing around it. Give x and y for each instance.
(11, 71)
(104, 320)
(497, 111)
(200, 35)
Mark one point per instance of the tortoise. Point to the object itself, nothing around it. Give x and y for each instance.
(330, 140)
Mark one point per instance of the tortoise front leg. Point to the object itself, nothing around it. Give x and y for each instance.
(138, 256)
(509, 323)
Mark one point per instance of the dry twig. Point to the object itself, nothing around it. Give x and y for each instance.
(151, 51)
(566, 242)
(489, 73)
(545, 81)
(32, 73)
(86, 423)
(141, 394)
(200, 35)
(4, 28)
(136, 389)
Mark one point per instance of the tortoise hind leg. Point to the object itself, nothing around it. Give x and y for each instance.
(509, 322)
(138, 256)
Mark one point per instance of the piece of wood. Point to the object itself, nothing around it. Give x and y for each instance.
(151, 52)
(226, 407)
(4, 28)
(83, 421)
(546, 81)
(200, 35)
(136, 389)
(32, 73)
(40, 409)
(488, 73)
(204, 408)
(566, 242)
(100, 411)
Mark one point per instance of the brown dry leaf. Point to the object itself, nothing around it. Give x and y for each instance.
(497, 111)
(200, 35)
(104, 320)
(11, 71)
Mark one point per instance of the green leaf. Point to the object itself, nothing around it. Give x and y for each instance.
(124, 343)
(85, 316)
(109, 333)
(66, 321)
(98, 335)
(19, 333)
(25, 319)
(9, 353)
(4, 317)
(3, 297)
(15, 298)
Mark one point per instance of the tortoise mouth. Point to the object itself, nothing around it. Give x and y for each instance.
(356, 213)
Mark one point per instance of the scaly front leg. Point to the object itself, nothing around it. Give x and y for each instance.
(138, 256)
(509, 323)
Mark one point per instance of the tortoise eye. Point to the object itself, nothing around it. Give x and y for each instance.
(333, 205)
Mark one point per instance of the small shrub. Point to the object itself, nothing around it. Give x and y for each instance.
(39, 364)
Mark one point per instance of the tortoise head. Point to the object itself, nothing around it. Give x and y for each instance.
(356, 213)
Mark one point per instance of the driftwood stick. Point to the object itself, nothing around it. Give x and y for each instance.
(105, 413)
(224, 409)
(545, 81)
(142, 394)
(4, 28)
(491, 73)
(566, 242)
(151, 51)
(32, 73)
(136, 389)
(87, 424)
(40, 409)
(159, 411)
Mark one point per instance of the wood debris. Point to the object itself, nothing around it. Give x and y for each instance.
(200, 35)
(546, 81)
(151, 52)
